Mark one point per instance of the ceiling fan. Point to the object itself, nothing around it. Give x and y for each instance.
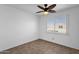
(47, 9)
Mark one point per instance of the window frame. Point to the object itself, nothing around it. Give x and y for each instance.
(67, 24)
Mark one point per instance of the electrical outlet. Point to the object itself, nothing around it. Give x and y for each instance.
(53, 38)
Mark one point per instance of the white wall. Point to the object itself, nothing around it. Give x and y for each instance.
(16, 27)
(72, 38)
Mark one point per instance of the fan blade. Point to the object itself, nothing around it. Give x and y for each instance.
(52, 11)
(39, 11)
(40, 7)
(51, 7)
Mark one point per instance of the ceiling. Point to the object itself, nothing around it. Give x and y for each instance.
(32, 8)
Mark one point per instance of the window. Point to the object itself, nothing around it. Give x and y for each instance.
(57, 25)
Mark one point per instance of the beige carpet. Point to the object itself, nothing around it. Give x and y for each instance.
(41, 47)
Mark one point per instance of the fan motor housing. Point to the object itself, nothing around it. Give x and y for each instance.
(46, 9)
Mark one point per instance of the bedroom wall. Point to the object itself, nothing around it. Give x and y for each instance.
(16, 27)
(71, 39)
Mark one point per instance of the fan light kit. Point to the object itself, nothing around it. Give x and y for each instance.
(45, 13)
(46, 9)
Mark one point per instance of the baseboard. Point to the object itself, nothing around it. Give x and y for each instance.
(4, 50)
(60, 44)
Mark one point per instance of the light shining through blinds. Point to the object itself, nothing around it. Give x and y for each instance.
(57, 24)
